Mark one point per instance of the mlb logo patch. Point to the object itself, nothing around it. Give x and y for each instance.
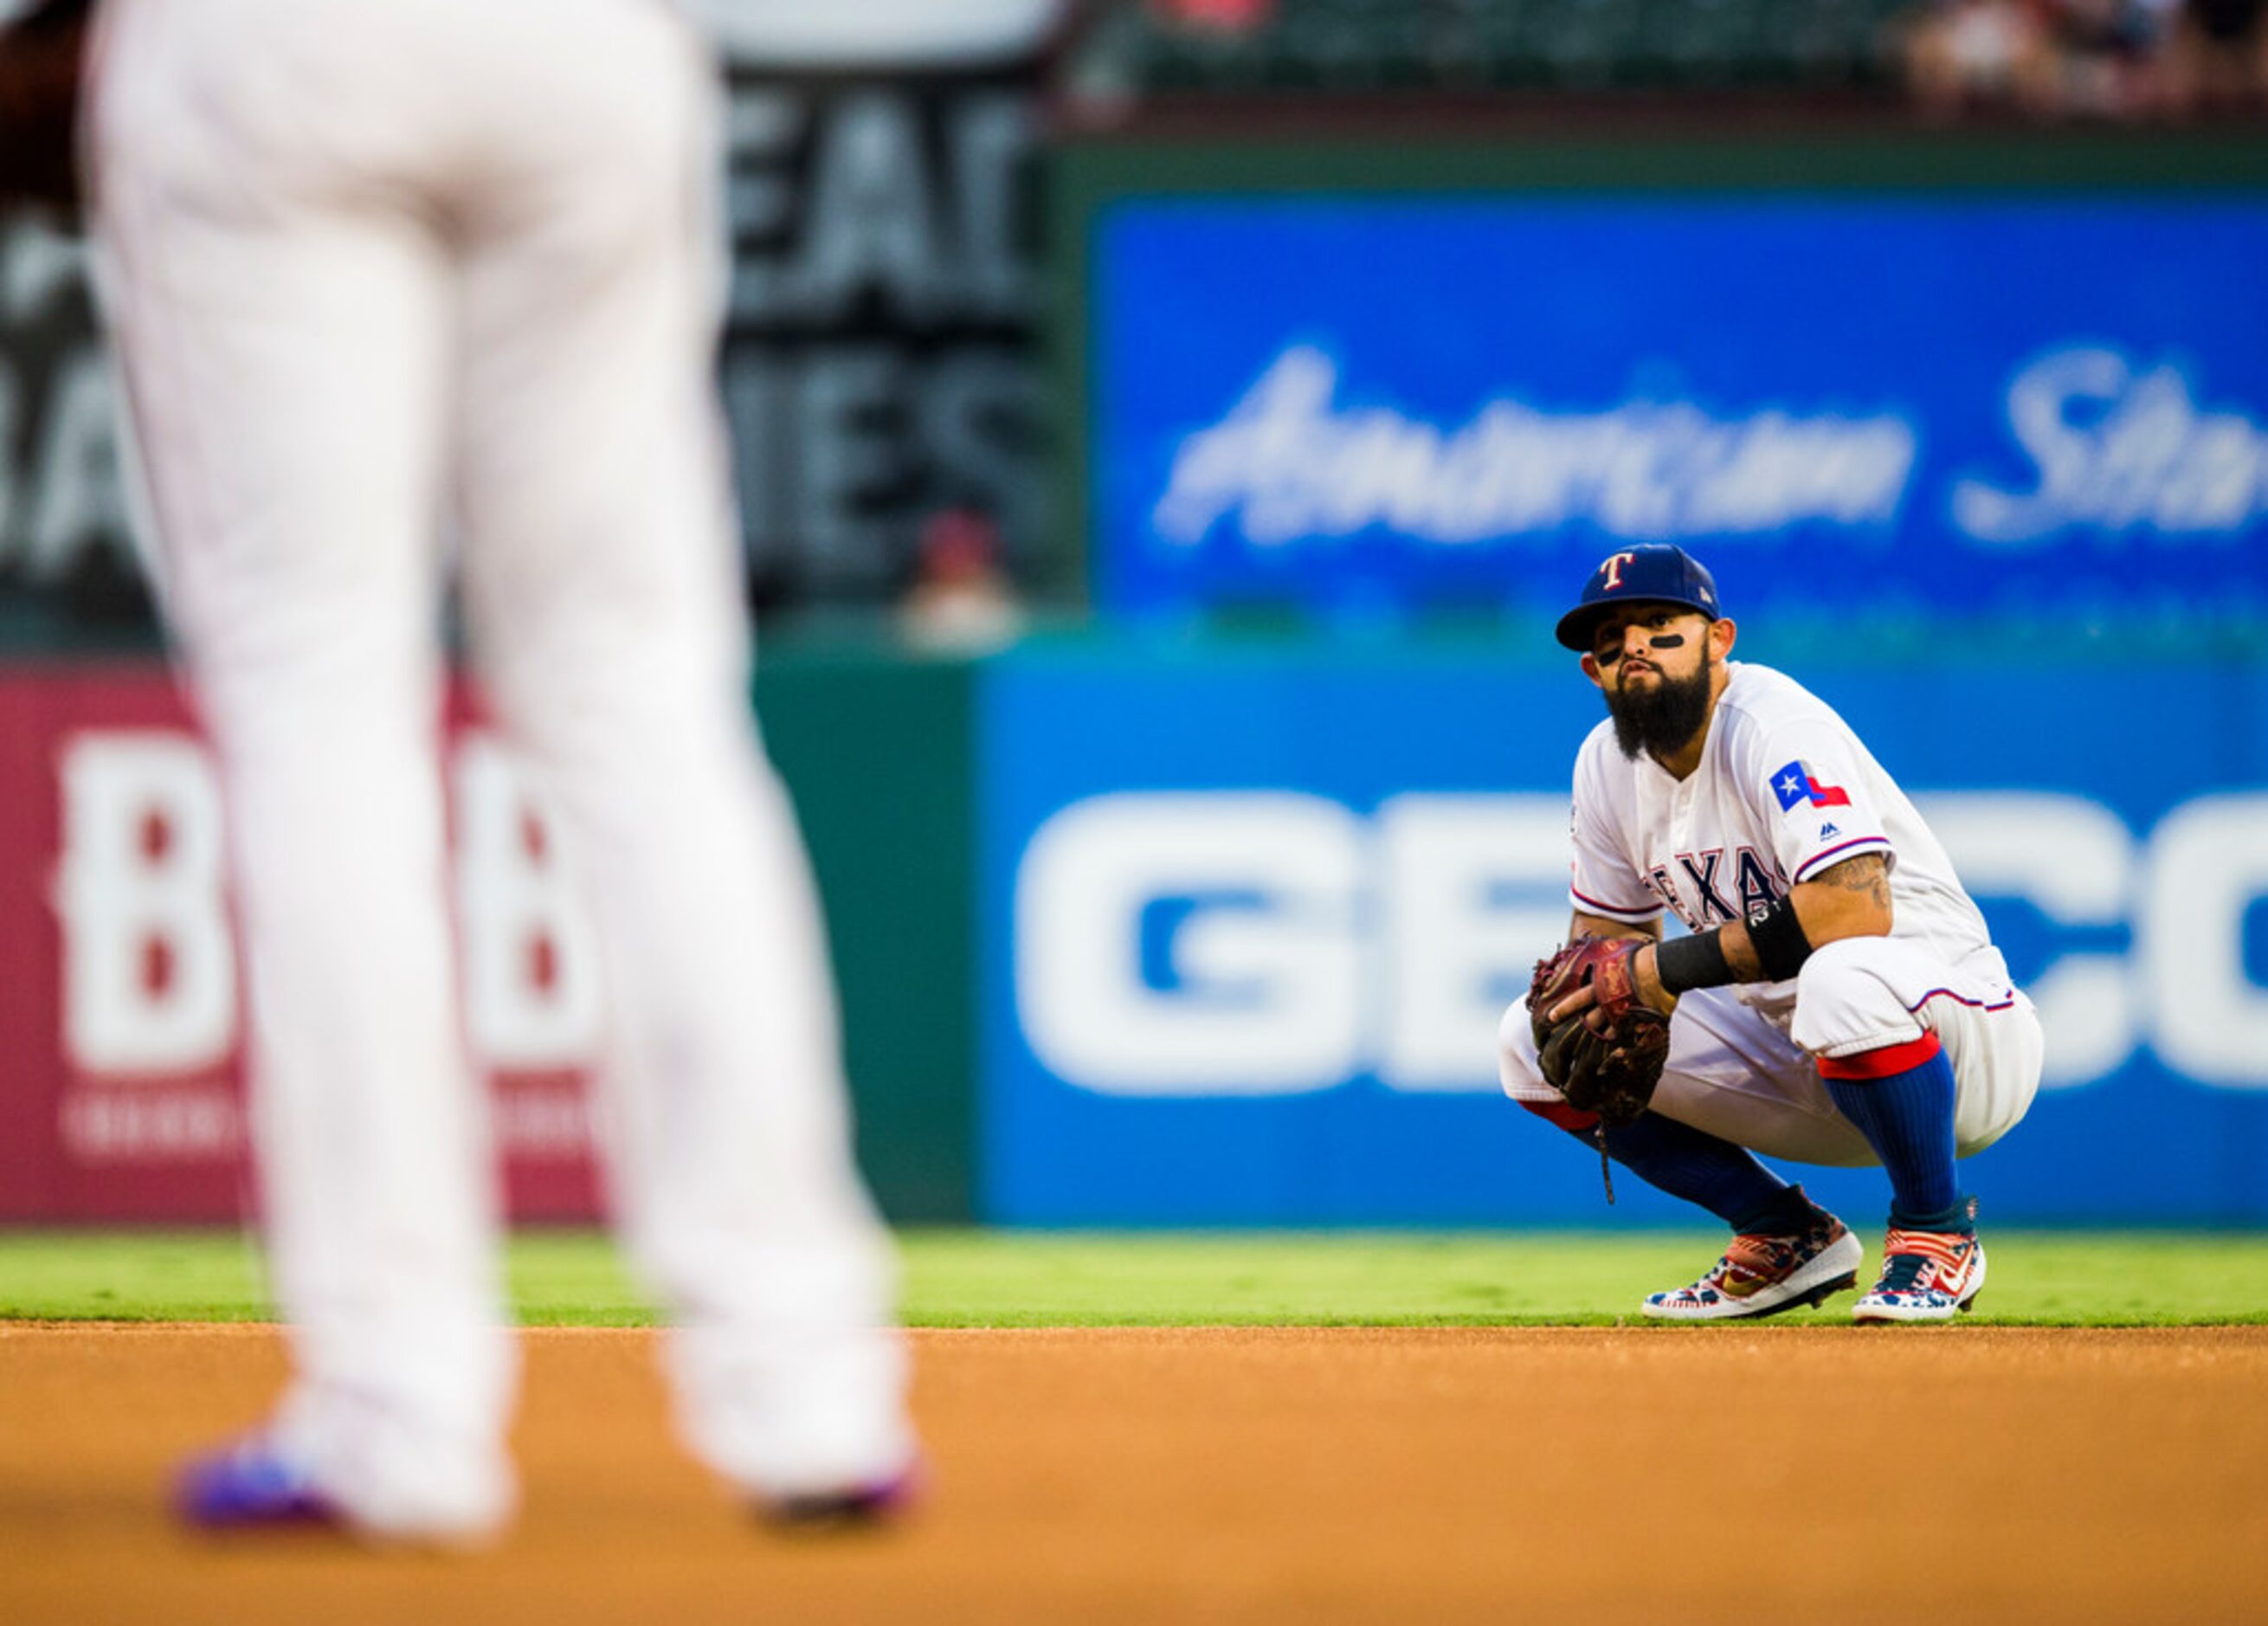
(1796, 783)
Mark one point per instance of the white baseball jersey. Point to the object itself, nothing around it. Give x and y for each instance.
(1784, 790)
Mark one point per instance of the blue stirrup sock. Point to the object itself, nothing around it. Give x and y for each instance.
(1901, 1097)
(1688, 1163)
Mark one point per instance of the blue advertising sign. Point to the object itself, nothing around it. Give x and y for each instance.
(1904, 404)
(1254, 920)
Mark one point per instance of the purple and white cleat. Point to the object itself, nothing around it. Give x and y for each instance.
(873, 1505)
(252, 1485)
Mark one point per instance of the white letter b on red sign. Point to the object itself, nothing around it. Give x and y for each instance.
(149, 973)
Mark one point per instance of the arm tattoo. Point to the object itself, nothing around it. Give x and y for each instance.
(1867, 873)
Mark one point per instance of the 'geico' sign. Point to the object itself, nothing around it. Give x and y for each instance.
(1273, 942)
(149, 962)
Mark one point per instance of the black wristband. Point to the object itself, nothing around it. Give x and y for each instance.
(1778, 937)
(1694, 962)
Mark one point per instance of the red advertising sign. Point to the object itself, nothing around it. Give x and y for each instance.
(121, 1006)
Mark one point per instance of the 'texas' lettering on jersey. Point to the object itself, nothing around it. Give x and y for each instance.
(1704, 891)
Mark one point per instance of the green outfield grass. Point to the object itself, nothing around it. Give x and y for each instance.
(974, 1278)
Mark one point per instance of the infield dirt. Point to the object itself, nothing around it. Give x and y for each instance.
(1309, 1474)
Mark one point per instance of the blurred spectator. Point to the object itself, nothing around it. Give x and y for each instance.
(2107, 55)
(2056, 58)
(960, 601)
(1963, 54)
(1223, 17)
(2219, 63)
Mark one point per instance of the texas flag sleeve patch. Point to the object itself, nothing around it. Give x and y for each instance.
(1796, 783)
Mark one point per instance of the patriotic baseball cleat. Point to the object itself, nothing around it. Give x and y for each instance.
(1763, 1275)
(252, 1485)
(1927, 1276)
(871, 1506)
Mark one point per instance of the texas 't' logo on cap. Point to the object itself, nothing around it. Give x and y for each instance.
(1656, 571)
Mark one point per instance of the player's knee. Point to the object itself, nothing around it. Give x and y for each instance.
(1515, 1052)
(1843, 993)
(1845, 971)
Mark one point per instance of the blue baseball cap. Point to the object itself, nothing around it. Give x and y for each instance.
(1653, 572)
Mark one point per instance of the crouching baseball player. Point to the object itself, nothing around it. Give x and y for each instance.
(1837, 1000)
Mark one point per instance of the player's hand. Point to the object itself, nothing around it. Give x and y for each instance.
(1582, 1000)
(1598, 1042)
(1646, 982)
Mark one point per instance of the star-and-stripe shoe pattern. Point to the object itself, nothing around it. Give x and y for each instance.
(1763, 1275)
(1927, 1276)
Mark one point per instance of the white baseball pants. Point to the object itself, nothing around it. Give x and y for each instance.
(1734, 1074)
(365, 261)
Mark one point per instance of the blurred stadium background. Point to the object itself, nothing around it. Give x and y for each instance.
(1168, 431)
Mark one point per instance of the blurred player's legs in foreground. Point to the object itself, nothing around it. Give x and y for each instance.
(606, 605)
(358, 250)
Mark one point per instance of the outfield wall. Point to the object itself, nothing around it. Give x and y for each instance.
(1131, 935)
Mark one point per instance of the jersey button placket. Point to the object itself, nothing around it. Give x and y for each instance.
(1680, 818)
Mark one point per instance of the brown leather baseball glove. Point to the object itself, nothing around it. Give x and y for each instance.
(1607, 1059)
(42, 55)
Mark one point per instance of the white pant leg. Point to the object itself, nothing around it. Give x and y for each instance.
(603, 568)
(284, 342)
(1862, 994)
(1731, 1074)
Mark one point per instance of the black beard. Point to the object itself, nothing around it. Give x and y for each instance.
(1661, 720)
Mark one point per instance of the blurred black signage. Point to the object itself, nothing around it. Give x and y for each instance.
(880, 360)
(879, 366)
(67, 571)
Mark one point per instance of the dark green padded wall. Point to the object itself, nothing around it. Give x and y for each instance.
(877, 751)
